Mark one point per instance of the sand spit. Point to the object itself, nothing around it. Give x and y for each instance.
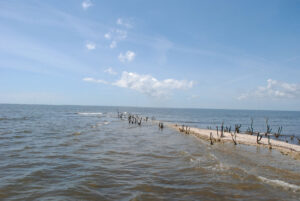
(242, 138)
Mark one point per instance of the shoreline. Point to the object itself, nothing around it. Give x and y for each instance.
(292, 150)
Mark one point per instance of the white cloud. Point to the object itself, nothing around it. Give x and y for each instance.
(124, 22)
(90, 79)
(113, 44)
(115, 35)
(110, 71)
(107, 36)
(128, 56)
(90, 46)
(86, 4)
(120, 34)
(149, 85)
(275, 90)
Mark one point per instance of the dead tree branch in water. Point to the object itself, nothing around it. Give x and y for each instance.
(160, 125)
(258, 138)
(181, 129)
(211, 139)
(269, 129)
(278, 132)
(250, 129)
(233, 136)
(222, 129)
(269, 142)
(237, 128)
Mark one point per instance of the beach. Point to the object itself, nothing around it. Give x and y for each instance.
(214, 136)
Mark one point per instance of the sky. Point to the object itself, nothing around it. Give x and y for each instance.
(222, 54)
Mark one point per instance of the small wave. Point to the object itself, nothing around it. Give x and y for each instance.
(186, 122)
(24, 131)
(218, 167)
(100, 124)
(213, 156)
(280, 183)
(76, 133)
(5, 132)
(90, 113)
(14, 118)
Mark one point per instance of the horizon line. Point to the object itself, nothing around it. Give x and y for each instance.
(150, 107)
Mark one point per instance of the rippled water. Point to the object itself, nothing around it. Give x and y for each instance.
(86, 153)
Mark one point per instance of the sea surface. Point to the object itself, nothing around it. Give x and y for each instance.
(87, 153)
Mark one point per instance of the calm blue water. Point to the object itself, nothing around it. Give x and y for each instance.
(87, 153)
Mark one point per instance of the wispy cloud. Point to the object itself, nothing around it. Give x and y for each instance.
(86, 4)
(149, 85)
(128, 56)
(42, 57)
(113, 44)
(30, 14)
(107, 36)
(110, 71)
(124, 22)
(90, 46)
(90, 79)
(115, 36)
(274, 90)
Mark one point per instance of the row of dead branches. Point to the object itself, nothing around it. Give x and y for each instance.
(137, 119)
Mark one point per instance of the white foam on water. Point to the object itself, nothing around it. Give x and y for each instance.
(89, 113)
(213, 156)
(276, 182)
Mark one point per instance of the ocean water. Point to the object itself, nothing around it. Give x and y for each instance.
(87, 153)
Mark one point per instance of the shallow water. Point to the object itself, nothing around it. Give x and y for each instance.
(86, 153)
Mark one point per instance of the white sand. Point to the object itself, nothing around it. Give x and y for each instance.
(285, 148)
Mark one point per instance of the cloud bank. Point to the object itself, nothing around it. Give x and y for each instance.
(146, 84)
(274, 90)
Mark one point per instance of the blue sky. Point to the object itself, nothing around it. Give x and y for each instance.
(197, 54)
